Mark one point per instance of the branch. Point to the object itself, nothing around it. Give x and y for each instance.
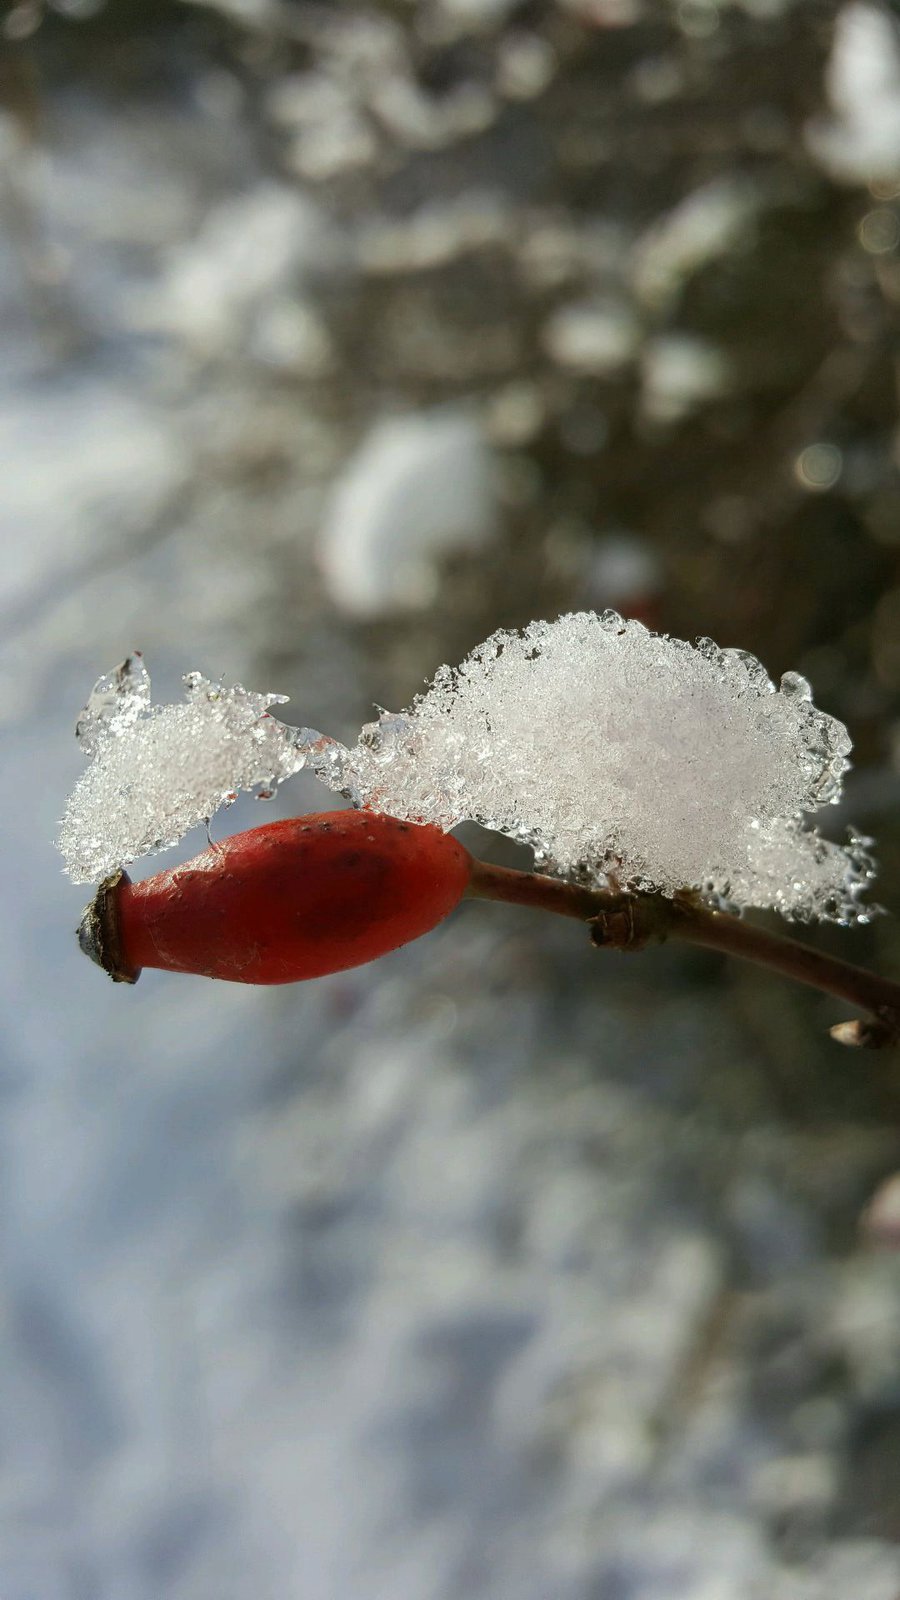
(632, 921)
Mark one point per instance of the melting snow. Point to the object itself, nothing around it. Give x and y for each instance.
(157, 771)
(618, 754)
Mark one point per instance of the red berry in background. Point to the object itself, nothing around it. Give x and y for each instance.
(290, 900)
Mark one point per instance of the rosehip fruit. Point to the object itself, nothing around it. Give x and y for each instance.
(290, 900)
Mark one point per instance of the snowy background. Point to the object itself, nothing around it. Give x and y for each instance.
(334, 337)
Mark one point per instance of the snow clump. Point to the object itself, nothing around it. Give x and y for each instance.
(156, 771)
(625, 756)
(622, 757)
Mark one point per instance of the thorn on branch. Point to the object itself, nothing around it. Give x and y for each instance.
(631, 922)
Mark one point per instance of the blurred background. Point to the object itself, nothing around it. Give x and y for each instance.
(335, 336)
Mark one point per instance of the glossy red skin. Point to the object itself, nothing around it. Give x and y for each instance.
(294, 899)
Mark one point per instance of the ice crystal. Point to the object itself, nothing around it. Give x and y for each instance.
(156, 771)
(627, 756)
(619, 755)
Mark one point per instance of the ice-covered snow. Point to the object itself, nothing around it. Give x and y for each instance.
(156, 771)
(620, 755)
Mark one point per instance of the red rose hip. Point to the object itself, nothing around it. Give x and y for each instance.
(290, 900)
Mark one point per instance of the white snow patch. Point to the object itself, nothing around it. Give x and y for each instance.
(707, 224)
(861, 143)
(250, 251)
(80, 465)
(679, 373)
(594, 337)
(417, 488)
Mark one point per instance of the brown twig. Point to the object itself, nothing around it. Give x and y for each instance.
(631, 921)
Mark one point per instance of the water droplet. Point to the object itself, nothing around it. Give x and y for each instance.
(611, 621)
(795, 687)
